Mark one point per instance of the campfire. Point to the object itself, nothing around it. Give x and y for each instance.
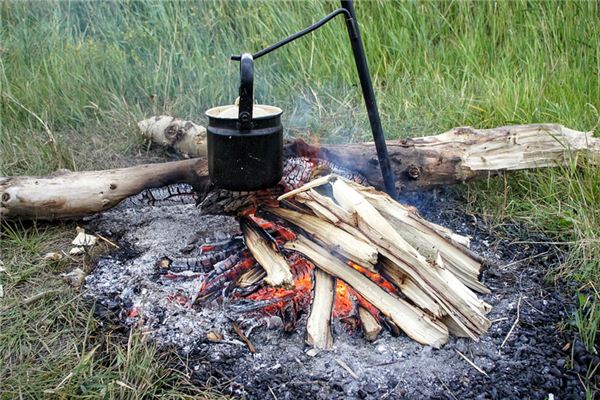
(332, 248)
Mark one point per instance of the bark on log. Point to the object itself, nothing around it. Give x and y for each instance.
(456, 156)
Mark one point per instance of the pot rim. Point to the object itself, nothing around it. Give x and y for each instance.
(216, 111)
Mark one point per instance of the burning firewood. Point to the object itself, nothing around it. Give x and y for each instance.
(332, 237)
(318, 325)
(414, 322)
(427, 238)
(265, 250)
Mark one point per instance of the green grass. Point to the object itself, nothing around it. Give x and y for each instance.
(75, 77)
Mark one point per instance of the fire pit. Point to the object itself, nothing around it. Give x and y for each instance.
(251, 341)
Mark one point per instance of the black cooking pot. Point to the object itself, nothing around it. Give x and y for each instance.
(245, 142)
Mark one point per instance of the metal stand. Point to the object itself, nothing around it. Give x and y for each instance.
(369, 96)
(365, 83)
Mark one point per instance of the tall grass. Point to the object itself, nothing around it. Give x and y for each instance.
(76, 76)
(435, 65)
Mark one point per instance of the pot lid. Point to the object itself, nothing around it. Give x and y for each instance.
(231, 111)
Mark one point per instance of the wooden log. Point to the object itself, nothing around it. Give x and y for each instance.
(267, 254)
(371, 327)
(456, 156)
(460, 154)
(318, 325)
(186, 137)
(69, 194)
(414, 322)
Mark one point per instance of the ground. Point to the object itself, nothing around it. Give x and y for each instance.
(524, 361)
(75, 77)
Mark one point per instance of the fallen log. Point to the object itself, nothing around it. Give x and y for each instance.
(456, 156)
(461, 154)
(67, 194)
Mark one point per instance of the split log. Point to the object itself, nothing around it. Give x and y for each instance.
(250, 277)
(427, 238)
(318, 325)
(455, 298)
(371, 327)
(331, 237)
(266, 253)
(414, 322)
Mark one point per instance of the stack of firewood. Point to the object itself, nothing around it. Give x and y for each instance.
(353, 233)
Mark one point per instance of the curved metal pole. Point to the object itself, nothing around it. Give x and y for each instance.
(365, 83)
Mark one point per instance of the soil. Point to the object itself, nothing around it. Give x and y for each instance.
(526, 353)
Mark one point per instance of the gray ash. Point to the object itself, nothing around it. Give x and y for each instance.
(128, 285)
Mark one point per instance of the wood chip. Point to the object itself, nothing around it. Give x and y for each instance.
(347, 368)
(214, 337)
(52, 256)
(471, 363)
(240, 333)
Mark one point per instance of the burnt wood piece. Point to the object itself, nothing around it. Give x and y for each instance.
(267, 254)
(414, 322)
(371, 327)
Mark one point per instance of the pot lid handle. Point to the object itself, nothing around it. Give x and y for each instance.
(246, 91)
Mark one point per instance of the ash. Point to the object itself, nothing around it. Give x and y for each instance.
(127, 287)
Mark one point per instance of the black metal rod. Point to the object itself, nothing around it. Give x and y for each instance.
(365, 82)
(370, 101)
(296, 35)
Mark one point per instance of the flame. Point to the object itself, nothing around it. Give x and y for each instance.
(344, 305)
(283, 234)
(375, 277)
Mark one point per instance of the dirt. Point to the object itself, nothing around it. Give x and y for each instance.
(525, 354)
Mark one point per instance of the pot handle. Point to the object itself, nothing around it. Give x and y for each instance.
(246, 92)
